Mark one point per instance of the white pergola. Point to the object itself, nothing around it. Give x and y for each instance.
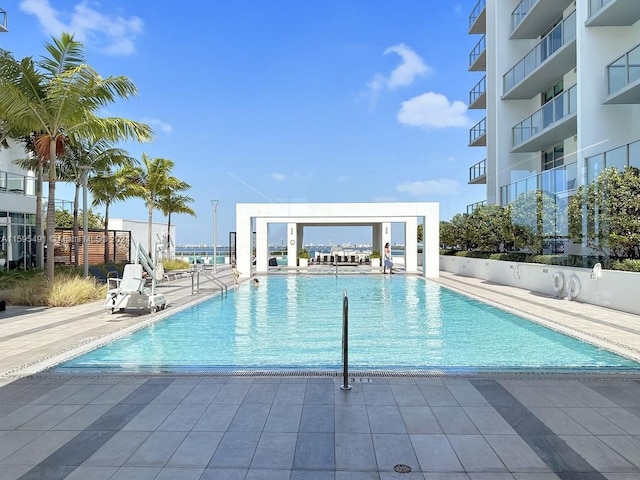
(256, 217)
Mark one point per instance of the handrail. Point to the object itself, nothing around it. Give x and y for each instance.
(345, 343)
(200, 269)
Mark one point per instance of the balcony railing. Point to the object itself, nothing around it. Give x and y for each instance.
(521, 11)
(559, 180)
(625, 156)
(3, 21)
(563, 33)
(15, 183)
(478, 90)
(477, 51)
(550, 113)
(596, 5)
(623, 71)
(478, 171)
(473, 206)
(477, 131)
(477, 10)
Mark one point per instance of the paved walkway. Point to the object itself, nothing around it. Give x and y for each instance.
(524, 427)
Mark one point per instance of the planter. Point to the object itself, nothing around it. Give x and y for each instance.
(303, 262)
(375, 263)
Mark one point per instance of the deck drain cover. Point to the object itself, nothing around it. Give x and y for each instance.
(402, 468)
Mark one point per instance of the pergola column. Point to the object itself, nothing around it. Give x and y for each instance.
(292, 244)
(262, 245)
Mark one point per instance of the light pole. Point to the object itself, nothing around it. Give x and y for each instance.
(214, 204)
(85, 222)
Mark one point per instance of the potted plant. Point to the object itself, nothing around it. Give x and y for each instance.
(375, 259)
(303, 257)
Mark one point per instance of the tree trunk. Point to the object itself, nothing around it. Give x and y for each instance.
(40, 240)
(149, 235)
(76, 242)
(106, 235)
(51, 211)
(168, 235)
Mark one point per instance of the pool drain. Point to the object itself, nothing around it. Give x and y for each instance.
(402, 468)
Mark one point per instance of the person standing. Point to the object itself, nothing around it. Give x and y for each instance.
(387, 262)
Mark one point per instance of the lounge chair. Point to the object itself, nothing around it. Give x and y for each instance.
(98, 274)
(131, 292)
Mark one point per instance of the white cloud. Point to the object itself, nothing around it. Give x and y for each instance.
(111, 34)
(433, 110)
(279, 177)
(441, 186)
(403, 75)
(158, 124)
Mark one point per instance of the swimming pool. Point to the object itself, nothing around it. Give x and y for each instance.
(396, 323)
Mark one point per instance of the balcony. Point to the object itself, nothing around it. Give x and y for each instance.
(623, 79)
(478, 134)
(478, 95)
(17, 184)
(613, 13)
(551, 124)
(478, 173)
(471, 208)
(548, 61)
(478, 18)
(3, 21)
(478, 56)
(532, 17)
(559, 181)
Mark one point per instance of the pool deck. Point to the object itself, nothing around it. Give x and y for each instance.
(275, 427)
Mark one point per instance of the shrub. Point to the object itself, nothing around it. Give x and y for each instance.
(67, 291)
(628, 264)
(375, 254)
(303, 253)
(27, 289)
(175, 264)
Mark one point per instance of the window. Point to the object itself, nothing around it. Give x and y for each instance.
(553, 157)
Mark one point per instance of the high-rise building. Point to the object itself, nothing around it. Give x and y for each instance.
(560, 83)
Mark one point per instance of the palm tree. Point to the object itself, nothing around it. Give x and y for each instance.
(153, 176)
(173, 203)
(58, 96)
(85, 157)
(111, 187)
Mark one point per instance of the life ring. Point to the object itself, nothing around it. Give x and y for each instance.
(596, 273)
(558, 282)
(573, 287)
(516, 271)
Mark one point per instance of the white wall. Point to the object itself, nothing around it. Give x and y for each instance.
(615, 290)
(139, 231)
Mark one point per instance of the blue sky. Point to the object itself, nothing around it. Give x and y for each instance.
(283, 101)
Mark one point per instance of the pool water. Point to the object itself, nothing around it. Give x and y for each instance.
(395, 323)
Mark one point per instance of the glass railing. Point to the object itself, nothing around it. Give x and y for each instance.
(478, 130)
(596, 5)
(555, 181)
(562, 34)
(550, 113)
(478, 50)
(471, 208)
(479, 90)
(16, 183)
(521, 11)
(624, 70)
(477, 10)
(620, 157)
(478, 170)
(3, 21)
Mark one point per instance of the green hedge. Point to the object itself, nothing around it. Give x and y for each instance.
(631, 265)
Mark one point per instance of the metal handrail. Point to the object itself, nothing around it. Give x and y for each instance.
(200, 269)
(345, 343)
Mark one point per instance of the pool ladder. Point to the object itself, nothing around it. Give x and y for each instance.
(345, 342)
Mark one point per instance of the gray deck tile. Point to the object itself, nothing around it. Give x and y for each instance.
(275, 451)
(168, 473)
(560, 396)
(250, 418)
(86, 394)
(117, 450)
(183, 418)
(94, 473)
(149, 418)
(467, 396)
(490, 476)
(48, 472)
(488, 421)
(317, 418)
(13, 472)
(535, 476)
(259, 474)
(39, 449)
(284, 418)
(355, 396)
(385, 419)
(625, 445)
(224, 474)
(261, 393)
(236, 450)
(445, 476)
(622, 394)
(516, 454)
(21, 416)
(598, 454)
(438, 396)
(354, 451)
(378, 395)
(312, 475)
(83, 417)
(315, 451)
(454, 421)
(409, 395)
(50, 418)
(205, 394)
(12, 441)
(173, 394)
(156, 450)
(435, 454)
(319, 394)
(290, 393)
(351, 475)
(351, 419)
(115, 394)
(419, 420)
(559, 421)
(527, 395)
(394, 449)
(589, 397)
(593, 421)
(475, 454)
(216, 418)
(622, 417)
(230, 394)
(136, 473)
(58, 394)
(196, 450)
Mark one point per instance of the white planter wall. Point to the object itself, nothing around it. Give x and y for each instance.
(614, 289)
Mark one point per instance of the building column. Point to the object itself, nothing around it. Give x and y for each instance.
(431, 238)
(377, 238)
(411, 245)
(292, 244)
(386, 236)
(243, 241)
(262, 245)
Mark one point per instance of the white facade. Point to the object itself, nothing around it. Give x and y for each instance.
(139, 229)
(256, 217)
(530, 47)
